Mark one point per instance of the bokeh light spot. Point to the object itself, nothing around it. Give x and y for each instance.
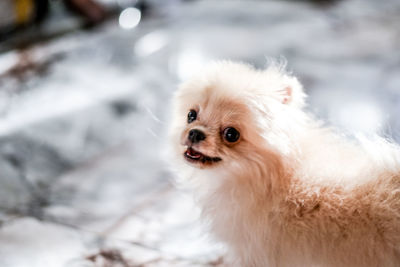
(129, 18)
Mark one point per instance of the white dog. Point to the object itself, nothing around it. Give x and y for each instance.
(277, 187)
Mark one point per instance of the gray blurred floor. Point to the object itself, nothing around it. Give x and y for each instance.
(84, 178)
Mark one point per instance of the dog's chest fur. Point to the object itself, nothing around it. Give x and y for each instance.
(261, 231)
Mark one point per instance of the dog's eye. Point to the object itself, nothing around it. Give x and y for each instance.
(231, 135)
(192, 115)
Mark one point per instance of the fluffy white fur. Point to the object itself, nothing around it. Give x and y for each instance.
(290, 192)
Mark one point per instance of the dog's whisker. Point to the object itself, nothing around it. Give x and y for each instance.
(153, 116)
(149, 130)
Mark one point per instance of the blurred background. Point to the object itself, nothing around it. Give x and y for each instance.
(85, 87)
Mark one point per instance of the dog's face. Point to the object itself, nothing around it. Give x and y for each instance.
(217, 116)
(212, 129)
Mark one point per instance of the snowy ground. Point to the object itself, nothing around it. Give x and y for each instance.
(84, 178)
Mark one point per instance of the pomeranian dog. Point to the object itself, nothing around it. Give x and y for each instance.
(277, 187)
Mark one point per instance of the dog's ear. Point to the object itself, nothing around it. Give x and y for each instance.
(291, 92)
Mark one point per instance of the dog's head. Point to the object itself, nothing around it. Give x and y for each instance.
(232, 114)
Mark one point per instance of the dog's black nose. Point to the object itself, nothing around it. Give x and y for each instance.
(196, 136)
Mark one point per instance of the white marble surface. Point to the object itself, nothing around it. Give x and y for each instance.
(85, 178)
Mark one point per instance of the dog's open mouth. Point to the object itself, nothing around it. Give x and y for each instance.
(192, 155)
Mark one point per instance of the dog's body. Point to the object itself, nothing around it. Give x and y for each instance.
(279, 189)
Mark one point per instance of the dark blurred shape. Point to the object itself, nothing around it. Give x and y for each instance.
(109, 258)
(144, 7)
(27, 64)
(122, 107)
(24, 23)
(42, 9)
(89, 9)
(17, 14)
(321, 3)
(30, 164)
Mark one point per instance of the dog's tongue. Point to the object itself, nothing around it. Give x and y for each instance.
(193, 154)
